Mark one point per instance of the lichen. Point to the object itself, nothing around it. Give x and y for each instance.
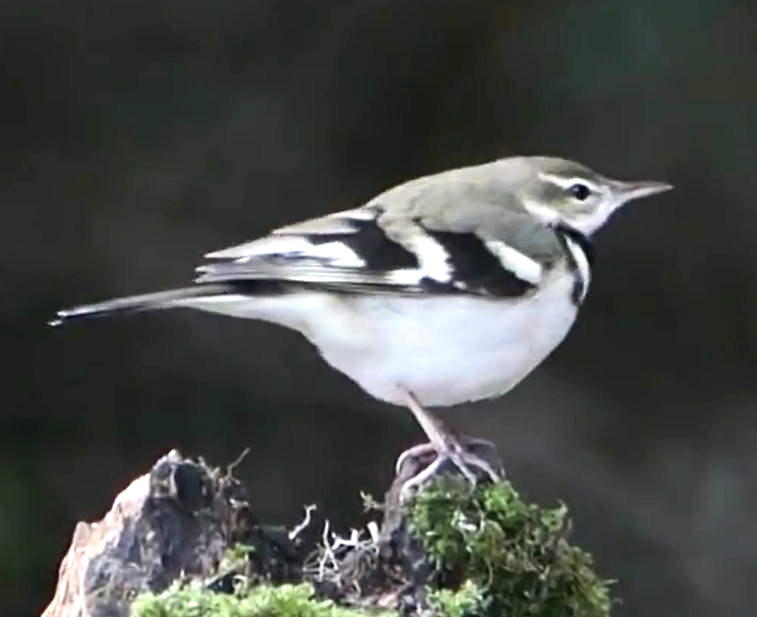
(512, 555)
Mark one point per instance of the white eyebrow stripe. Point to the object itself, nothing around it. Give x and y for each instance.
(566, 182)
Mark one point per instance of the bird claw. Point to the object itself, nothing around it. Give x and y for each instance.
(423, 450)
(466, 461)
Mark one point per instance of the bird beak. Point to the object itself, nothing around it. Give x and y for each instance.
(644, 188)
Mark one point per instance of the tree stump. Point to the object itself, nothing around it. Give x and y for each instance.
(183, 540)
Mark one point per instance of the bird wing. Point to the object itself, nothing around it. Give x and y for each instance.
(401, 246)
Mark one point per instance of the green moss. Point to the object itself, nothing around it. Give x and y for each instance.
(260, 601)
(490, 554)
(491, 544)
(236, 558)
(468, 599)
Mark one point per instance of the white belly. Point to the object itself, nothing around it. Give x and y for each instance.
(446, 350)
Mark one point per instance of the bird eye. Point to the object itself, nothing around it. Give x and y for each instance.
(580, 191)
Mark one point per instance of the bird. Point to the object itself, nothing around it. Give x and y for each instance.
(445, 289)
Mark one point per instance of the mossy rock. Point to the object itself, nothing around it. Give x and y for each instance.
(495, 554)
(485, 553)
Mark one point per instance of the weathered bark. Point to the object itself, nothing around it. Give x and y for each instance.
(176, 521)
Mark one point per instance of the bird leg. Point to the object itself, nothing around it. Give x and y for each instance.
(444, 447)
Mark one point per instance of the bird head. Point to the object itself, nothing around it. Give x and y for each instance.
(559, 191)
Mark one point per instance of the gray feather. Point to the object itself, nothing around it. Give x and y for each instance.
(424, 236)
(138, 303)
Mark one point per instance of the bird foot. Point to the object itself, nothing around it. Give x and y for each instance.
(474, 459)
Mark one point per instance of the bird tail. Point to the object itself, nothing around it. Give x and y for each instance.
(139, 303)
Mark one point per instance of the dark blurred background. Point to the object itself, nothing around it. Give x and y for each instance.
(135, 136)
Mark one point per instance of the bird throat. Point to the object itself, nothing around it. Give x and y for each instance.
(580, 252)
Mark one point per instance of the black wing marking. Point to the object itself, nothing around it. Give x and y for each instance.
(475, 269)
(362, 256)
(363, 259)
(370, 243)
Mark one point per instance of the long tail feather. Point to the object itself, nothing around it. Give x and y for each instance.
(135, 304)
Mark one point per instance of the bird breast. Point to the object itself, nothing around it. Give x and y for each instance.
(445, 349)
